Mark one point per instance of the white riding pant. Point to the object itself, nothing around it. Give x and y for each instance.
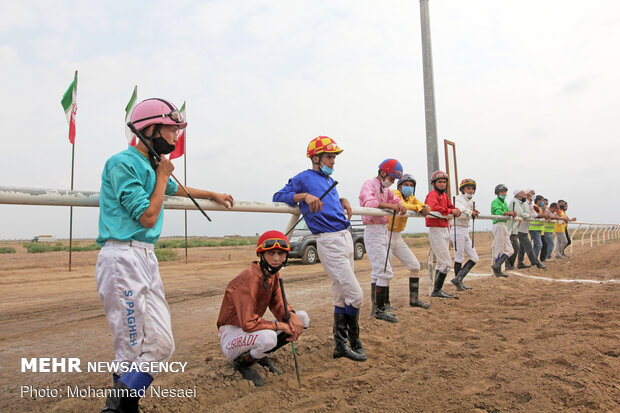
(376, 238)
(501, 240)
(402, 251)
(463, 245)
(234, 341)
(440, 244)
(336, 254)
(130, 288)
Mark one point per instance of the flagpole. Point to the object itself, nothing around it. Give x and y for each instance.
(185, 184)
(71, 208)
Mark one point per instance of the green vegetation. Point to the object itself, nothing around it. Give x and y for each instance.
(193, 243)
(37, 247)
(165, 255)
(416, 235)
(7, 250)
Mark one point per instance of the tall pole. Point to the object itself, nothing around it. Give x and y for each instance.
(432, 153)
(185, 183)
(71, 208)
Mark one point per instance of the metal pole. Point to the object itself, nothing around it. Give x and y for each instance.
(432, 153)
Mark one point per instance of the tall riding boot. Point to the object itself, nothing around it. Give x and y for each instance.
(440, 277)
(455, 280)
(414, 287)
(353, 328)
(388, 305)
(120, 404)
(504, 258)
(381, 312)
(373, 299)
(458, 280)
(243, 364)
(457, 268)
(341, 348)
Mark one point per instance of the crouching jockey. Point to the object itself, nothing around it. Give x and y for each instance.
(375, 193)
(502, 246)
(406, 192)
(460, 236)
(131, 216)
(245, 336)
(438, 235)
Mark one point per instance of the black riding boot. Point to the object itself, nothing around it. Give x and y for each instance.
(120, 403)
(266, 362)
(458, 280)
(353, 328)
(457, 268)
(440, 277)
(497, 267)
(381, 312)
(414, 287)
(243, 364)
(341, 348)
(388, 305)
(373, 299)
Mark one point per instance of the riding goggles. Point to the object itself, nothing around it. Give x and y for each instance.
(175, 115)
(272, 243)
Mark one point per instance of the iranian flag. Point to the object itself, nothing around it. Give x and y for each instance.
(131, 138)
(179, 149)
(69, 104)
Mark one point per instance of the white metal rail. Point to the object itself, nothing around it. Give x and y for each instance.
(63, 197)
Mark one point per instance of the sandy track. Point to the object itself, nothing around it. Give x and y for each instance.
(515, 344)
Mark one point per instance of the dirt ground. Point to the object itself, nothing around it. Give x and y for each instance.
(515, 344)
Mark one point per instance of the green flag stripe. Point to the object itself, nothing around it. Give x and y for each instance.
(67, 98)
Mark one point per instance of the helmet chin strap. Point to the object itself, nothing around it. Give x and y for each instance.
(269, 270)
(152, 159)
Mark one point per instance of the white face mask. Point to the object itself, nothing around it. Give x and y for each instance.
(386, 183)
(469, 196)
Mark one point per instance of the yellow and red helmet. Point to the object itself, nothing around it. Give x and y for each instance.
(322, 144)
(465, 183)
(272, 240)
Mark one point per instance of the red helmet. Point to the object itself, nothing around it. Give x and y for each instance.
(156, 111)
(272, 240)
(322, 144)
(465, 183)
(438, 175)
(392, 167)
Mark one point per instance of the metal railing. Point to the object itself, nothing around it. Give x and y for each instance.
(62, 197)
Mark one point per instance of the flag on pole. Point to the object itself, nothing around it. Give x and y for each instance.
(131, 138)
(179, 149)
(69, 104)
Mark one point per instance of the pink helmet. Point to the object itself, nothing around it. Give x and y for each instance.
(156, 111)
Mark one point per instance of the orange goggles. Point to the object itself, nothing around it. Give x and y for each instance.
(272, 243)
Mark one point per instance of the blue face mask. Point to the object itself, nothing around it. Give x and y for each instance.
(407, 191)
(502, 197)
(326, 170)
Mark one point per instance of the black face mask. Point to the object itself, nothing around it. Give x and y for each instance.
(441, 191)
(161, 146)
(268, 270)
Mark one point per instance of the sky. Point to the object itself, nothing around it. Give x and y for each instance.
(528, 90)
